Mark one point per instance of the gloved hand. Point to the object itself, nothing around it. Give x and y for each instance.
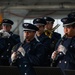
(54, 55)
(14, 56)
(21, 50)
(4, 34)
(62, 49)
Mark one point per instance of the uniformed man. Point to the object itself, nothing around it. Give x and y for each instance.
(7, 26)
(29, 53)
(64, 55)
(7, 41)
(50, 32)
(44, 39)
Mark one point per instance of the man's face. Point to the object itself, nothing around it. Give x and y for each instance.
(41, 29)
(70, 31)
(49, 26)
(29, 35)
(7, 28)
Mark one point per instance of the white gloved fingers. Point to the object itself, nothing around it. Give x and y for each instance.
(54, 54)
(4, 34)
(13, 56)
(62, 49)
(21, 50)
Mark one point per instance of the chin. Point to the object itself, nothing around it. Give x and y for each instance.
(70, 35)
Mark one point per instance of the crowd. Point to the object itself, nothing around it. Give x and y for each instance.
(42, 46)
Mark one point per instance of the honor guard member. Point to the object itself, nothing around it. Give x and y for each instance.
(64, 54)
(7, 41)
(50, 32)
(29, 53)
(7, 26)
(44, 39)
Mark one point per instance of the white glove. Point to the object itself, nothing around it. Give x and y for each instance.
(21, 50)
(13, 56)
(54, 55)
(4, 34)
(62, 49)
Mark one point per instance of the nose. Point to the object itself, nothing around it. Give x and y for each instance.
(65, 28)
(26, 33)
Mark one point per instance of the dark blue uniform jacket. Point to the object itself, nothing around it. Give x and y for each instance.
(35, 55)
(67, 61)
(6, 45)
